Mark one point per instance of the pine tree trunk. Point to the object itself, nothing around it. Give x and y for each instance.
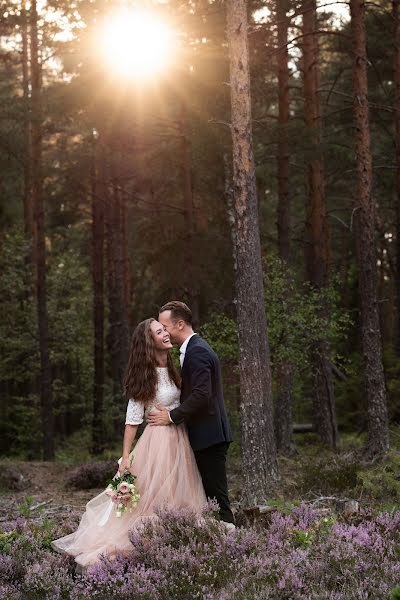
(118, 334)
(283, 139)
(186, 173)
(317, 242)
(46, 393)
(28, 213)
(125, 255)
(230, 208)
(283, 406)
(120, 282)
(260, 466)
(378, 435)
(98, 198)
(396, 68)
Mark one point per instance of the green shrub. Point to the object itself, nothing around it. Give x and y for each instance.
(329, 478)
(381, 482)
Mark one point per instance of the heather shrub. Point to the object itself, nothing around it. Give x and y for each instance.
(303, 554)
(121, 578)
(92, 475)
(11, 480)
(29, 569)
(181, 556)
(195, 557)
(10, 592)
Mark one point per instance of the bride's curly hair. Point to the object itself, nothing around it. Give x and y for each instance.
(140, 381)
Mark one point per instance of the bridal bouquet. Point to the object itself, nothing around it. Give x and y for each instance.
(123, 493)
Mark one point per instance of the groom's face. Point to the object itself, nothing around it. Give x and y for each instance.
(171, 326)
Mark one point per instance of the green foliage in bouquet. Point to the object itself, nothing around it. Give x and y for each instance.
(127, 477)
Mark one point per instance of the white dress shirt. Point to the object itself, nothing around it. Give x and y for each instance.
(182, 349)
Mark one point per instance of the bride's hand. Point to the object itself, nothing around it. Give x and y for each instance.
(125, 465)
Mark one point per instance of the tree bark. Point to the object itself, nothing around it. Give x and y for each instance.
(28, 212)
(396, 69)
(186, 174)
(317, 234)
(230, 208)
(283, 405)
(46, 393)
(365, 221)
(118, 334)
(283, 139)
(260, 466)
(98, 198)
(125, 255)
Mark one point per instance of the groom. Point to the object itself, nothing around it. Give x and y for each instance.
(202, 404)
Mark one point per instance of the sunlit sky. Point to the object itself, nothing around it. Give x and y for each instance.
(137, 43)
(340, 9)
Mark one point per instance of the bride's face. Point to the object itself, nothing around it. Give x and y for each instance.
(160, 336)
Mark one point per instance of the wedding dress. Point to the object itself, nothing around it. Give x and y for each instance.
(166, 472)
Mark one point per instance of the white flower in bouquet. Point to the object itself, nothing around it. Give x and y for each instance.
(123, 493)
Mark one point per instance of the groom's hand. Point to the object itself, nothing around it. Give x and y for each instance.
(160, 418)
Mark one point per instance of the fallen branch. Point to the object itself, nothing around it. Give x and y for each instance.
(40, 504)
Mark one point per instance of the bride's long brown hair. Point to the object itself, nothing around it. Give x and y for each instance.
(140, 381)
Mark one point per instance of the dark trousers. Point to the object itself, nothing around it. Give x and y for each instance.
(211, 463)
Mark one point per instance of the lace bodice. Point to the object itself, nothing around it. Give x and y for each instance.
(167, 394)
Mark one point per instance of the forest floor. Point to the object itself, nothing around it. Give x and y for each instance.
(313, 475)
(41, 491)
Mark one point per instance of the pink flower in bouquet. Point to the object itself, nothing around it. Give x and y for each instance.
(123, 487)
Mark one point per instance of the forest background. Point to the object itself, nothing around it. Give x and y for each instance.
(118, 195)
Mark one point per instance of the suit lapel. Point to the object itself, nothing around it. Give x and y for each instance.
(190, 343)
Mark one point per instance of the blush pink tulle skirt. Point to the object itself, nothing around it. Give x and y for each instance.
(167, 475)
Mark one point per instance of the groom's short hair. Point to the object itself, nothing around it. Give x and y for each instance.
(179, 310)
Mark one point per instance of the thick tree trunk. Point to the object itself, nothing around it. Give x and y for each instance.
(46, 393)
(120, 279)
(378, 435)
(283, 405)
(230, 208)
(317, 242)
(260, 466)
(283, 139)
(98, 198)
(125, 255)
(118, 334)
(28, 212)
(396, 69)
(186, 174)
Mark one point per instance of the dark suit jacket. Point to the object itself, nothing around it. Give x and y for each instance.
(202, 403)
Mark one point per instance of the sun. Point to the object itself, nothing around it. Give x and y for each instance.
(137, 44)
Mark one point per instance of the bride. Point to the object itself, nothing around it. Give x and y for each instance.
(163, 462)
